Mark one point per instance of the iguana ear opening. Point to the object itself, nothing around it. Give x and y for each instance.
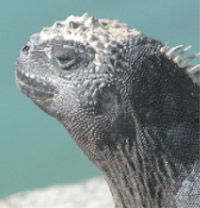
(107, 102)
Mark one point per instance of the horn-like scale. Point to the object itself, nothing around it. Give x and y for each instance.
(176, 54)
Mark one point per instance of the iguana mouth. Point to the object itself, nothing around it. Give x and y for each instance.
(34, 87)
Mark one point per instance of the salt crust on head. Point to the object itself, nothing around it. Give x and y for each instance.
(98, 33)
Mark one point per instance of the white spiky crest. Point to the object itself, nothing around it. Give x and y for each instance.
(99, 33)
(176, 54)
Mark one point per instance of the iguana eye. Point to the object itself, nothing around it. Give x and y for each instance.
(66, 57)
(70, 55)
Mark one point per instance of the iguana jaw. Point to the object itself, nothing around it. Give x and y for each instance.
(37, 89)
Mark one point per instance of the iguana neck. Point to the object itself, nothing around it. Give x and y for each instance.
(144, 176)
(144, 165)
(140, 182)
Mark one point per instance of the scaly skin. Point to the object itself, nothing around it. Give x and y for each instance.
(127, 101)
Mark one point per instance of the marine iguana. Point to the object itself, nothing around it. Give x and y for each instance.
(128, 102)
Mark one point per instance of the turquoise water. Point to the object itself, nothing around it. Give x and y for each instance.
(35, 150)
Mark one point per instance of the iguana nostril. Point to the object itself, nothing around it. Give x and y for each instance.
(25, 49)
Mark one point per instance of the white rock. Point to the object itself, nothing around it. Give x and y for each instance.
(93, 193)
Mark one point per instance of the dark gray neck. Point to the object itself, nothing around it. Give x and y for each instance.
(140, 182)
(144, 163)
(145, 175)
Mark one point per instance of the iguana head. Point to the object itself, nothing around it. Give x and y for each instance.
(72, 70)
(123, 96)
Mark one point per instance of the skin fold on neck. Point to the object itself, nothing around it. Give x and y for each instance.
(147, 174)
